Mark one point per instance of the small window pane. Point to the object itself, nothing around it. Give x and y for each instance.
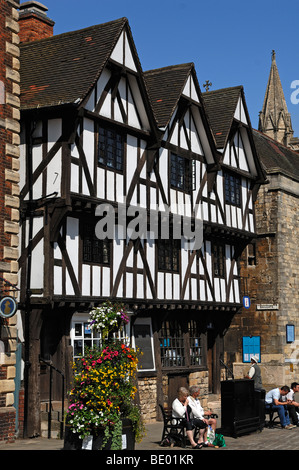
(110, 149)
(232, 189)
(218, 260)
(181, 172)
(78, 329)
(94, 249)
(168, 255)
(78, 348)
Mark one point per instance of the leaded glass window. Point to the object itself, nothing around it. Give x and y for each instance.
(232, 189)
(94, 249)
(110, 149)
(182, 173)
(168, 255)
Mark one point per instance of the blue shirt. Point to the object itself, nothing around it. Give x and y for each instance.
(272, 395)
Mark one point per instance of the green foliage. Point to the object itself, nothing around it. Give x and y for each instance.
(104, 390)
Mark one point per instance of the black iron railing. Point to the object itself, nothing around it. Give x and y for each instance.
(228, 371)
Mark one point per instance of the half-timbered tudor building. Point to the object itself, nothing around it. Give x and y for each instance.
(97, 130)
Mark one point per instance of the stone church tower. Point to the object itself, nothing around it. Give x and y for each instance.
(275, 120)
(270, 265)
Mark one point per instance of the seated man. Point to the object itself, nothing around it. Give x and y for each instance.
(292, 405)
(181, 409)
(198, 412)
(273, 399)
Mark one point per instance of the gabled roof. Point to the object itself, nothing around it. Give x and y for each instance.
(164, 86)
(221, 106)
(222, 109)
(275, 157)
(62, 69)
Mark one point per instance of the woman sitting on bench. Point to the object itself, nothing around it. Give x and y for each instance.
(181, 409)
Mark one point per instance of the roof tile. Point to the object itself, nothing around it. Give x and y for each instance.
(63, 68)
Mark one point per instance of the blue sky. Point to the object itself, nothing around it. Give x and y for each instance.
(230, 42)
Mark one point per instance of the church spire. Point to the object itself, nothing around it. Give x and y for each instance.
(275, 120)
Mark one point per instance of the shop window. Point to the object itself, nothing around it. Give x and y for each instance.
(83, 338)
(180, 343)
(172, 344)
(143, 340)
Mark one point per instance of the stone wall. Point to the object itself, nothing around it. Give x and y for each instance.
(272, 283)
(9, 204)
(147, 388)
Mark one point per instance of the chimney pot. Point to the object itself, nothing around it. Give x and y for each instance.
(33, 22)
(34, 5)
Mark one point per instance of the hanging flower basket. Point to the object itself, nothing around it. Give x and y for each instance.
(104, 387)
(108, 318)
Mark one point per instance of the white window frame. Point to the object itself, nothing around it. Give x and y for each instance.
(145, 321)
(83, 318)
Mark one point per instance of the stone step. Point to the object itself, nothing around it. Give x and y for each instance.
(215, 407)
(214, 403)
(57, 417)
(55, 405)
(55, 429)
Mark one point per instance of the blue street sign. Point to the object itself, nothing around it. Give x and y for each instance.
(246, 301)
(8, 307)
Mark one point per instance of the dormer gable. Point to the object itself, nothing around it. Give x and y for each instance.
(101, 67)
(119, 93)
(123, 54)
(230, 123)
(179, 111)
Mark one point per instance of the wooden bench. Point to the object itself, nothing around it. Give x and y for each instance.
(273, 420)
(174, 430)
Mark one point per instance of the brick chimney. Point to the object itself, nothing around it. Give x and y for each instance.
(33, 22)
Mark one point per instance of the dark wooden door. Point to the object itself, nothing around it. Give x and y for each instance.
(176, 381)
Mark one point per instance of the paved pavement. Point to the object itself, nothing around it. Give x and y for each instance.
(267, 440)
